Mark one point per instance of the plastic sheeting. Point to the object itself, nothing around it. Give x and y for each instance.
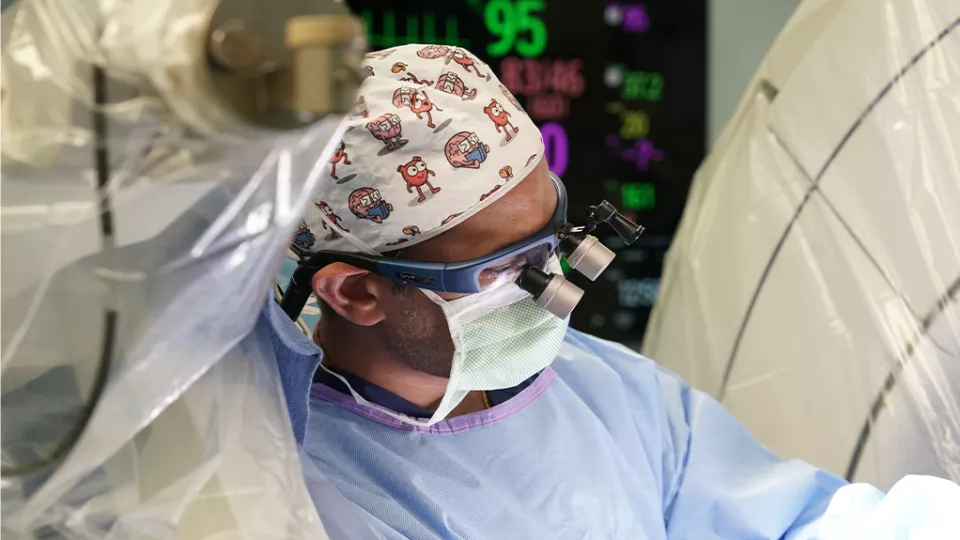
(126, 306)
(814, 283)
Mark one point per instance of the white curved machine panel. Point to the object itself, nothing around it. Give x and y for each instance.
(832, 332)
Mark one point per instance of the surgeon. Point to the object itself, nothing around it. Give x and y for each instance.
(443, 395)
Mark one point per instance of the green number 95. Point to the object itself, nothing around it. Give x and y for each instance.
(507, 20)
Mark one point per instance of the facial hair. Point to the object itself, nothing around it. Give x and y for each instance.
(416, 333)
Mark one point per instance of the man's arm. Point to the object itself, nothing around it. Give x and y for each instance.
(725, 484)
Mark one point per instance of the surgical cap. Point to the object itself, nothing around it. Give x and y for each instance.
(434, 139)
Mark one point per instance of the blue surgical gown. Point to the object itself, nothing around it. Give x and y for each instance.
(603, 444)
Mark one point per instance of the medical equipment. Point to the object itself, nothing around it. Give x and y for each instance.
(814, 283)
(521, 263)
(156, 158)
(584, 253)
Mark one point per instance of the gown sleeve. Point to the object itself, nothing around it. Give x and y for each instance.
(721, 483)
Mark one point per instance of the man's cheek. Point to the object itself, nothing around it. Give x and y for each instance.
(412, 310)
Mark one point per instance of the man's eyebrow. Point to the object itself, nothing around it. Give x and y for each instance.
(509, 242)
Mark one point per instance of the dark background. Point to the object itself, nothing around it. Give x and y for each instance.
(620, 85)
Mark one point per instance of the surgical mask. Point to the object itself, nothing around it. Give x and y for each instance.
(500, 337)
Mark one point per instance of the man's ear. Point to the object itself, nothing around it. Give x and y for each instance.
(353, 293)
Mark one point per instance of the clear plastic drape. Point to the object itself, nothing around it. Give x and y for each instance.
(138, 249)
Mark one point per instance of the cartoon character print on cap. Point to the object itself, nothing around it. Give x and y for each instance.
(338, 156)
(417, 101)
(506, 172)
(334, 218)
(367, 203)
(489, 193)
(501, 118)
(530, 159)
(386, 128)
(367, 72)
(413, 78)
(411, 230)
(303, 238)
(511, 98)
(465, 149)
(432, 52)
(449, 218)
(451, 83)
(462, 57)
(415, 173)
(399, 67)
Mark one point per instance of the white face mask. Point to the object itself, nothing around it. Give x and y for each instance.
(500, 338)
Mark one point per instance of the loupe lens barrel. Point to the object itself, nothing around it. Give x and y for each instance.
(590, 257)
(551, 292)
(534, 280)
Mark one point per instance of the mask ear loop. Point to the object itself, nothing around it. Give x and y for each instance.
(447, 404)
